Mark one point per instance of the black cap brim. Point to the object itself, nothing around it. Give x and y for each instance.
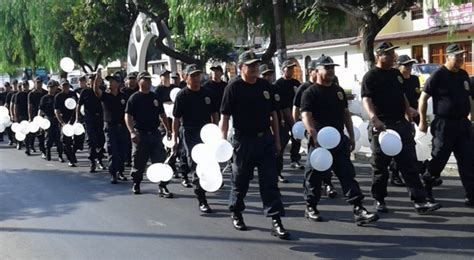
(252, 61)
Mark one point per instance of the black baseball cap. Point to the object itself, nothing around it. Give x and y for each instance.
(264, 69)
(405, 59)
(65, 81)
(132, 74)
(191, 69)
(248, 57)
(217, 66)
(144, 75)
(454, 49)
(325, 61)
(38, 79)
(385, 47)
(312, 65)
(174, 75)
(288, 64)
(164, 72)
(52, 83)
(113, 77)
(15, 81)
(25, 82)
(82, 78)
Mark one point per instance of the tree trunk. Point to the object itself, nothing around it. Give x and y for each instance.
(369, 32)
(279, 30)
(270, 51)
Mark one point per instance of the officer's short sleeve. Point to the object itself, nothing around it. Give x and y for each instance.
(161, 108)
(56, 102)
(307, 100)
(178, 105)
(346, 103)
(298, 96)
(367, 87)
(30, 97)
(472, 87)
(130, 108)
(227, 104)
(431, 86)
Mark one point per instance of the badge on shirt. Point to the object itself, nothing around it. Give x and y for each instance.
(266, 94)
(207, 100)
(122, 101)
(277, 98)
(466, 86)
(340, 95)
(155, 102)
(400, 79)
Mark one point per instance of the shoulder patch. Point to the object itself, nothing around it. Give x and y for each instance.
(266, 94)
(277, 97)
(155, 102)
(122, 101)
(340, 95)
(400, 79)
(466, 86)
(207, 100)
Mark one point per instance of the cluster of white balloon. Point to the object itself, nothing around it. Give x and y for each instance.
(70, 130)
(24, 127)
(4, 119)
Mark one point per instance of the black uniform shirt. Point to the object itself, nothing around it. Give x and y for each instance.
(129, 91)
(194, 107)
(3, 97)
(327, 104)
(450, 92)
(299, 93)
(21, 102)
(413, 90)
(47, 106)
(9, 98)
(34, 98)
(386, 89)
(287, 89)
(217, 90)
(250, 105)
(92, 105)
(114, 107)
(59, 99)
(182, 84)
(163, 93)
(146, 110)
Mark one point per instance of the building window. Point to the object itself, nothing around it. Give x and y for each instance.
(417, 11)
(345, 60)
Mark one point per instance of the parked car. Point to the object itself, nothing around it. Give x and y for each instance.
(424, 70)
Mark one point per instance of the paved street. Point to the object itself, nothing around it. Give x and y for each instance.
(50, 211)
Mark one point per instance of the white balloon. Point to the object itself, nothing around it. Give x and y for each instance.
(24, 127)
(4, 119)
(298, 130)
(19, 136)
(67, 64)
(31, 83)
(82, 110)
(357, 121)
(429, 109)
(68, 130)
(391, 145)
(364, 134)
(206, 170)
(355, 107)
(321, 159)
(210, 133)
(158, 172)
(38, 119)
(169, 110)
(155, 80)
(388, 131)
(78, 129)
(45, 124)
(174, 93)
(356, 133)
(211, 182)
(8, 123)
(70, 103)
(167, 143)
(223, 151)
(15, 127)
(328, 137)
(357, 147)
(4, 111)
(202, 153)
(33, 127)
(2, 128)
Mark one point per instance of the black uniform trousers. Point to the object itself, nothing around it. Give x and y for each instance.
(284, 138)
(95, 137)
(452, 136)
(406, 162)
(53, 136)
(149, 147)
(182, 162)
(255, 150)
(191, 137)
(116, 137)
(342, 167)
(68, 147)
(41, 139)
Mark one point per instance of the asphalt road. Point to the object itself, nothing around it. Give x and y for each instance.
(50, 211)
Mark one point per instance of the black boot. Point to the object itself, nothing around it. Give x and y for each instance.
(380, 206)
(278, 230)
(312, 214)
(426, 207)
(48, 154)
(362, 216)
(136, 188)
(121, 176)
(204, 207)
(164, 192)
(93, 166)
(113, 178)
(330, 191)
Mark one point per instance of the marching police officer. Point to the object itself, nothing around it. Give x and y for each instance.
(34, 98)
(328, 186)
(53, 133)
(386, 104)
(287, 86)
(142, 116)
(451, 91)
(65, 116)
(3, 102)
(215, 84)
(80, 139)
(9, 106)
(20, 107)
(113, 103)
(94, 121)
(267, 74)
(130, 87)
(194, 107)
(325, 104)
(248, 100)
